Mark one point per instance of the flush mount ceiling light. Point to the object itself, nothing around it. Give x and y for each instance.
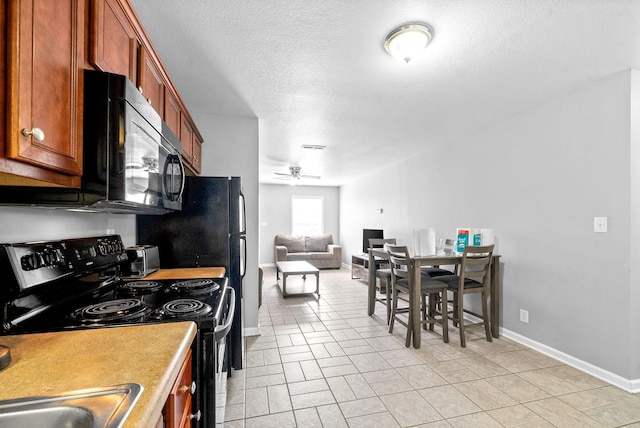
(408, 41)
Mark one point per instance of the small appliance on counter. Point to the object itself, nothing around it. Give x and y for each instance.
(5, 357)
(144, 260)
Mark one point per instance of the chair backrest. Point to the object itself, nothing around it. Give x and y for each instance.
(476, 263)
(399, 262)
(379, 242)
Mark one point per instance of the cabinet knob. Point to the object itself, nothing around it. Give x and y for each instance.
(192, 388)
(195, 415)
(37, 133)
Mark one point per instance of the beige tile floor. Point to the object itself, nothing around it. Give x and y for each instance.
(325, 363)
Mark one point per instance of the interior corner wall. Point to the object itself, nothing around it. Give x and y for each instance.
(275, 213)
(231, 149)
(538, 178)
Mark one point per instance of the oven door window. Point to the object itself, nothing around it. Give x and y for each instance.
(154, 174)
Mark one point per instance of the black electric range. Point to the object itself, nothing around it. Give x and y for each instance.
(77, 283)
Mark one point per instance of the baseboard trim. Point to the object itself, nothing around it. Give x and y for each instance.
(252, 331)
(629, 385)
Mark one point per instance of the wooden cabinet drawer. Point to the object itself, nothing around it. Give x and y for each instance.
(177, 409)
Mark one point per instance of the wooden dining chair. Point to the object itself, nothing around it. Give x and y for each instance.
(383, 275)
(474, 277)
(431, 292)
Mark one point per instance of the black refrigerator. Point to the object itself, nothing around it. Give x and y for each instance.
(209, 231)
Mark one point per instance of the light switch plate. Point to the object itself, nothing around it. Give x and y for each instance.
(600, 224)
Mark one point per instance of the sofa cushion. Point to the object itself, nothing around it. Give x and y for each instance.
(318, 243)
(294, 244)
(298, 257)
(320, 256)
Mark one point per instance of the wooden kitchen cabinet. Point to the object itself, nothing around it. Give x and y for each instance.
(172, 110)
(46, 44)
(45, 53)
(114, 44)
(150, 81)
(191, 144)
(177, 409)
(196, 152)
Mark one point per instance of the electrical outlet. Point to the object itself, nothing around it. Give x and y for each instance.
(524, 316)
(600, 224)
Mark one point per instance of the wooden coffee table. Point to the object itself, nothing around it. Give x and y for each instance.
(297, 268)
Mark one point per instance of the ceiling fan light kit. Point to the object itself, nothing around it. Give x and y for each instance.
(408, 41)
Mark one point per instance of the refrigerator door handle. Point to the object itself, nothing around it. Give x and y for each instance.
(243, 215)
(243, 263)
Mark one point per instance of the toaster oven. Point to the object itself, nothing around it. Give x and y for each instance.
(143, 260)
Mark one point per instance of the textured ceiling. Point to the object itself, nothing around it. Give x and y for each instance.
(316, 72)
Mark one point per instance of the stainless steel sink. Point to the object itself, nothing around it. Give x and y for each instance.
(89, 408)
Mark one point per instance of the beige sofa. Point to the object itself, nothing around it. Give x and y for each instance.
(319, 250)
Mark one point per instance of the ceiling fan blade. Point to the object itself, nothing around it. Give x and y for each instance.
(283, 176)
(310, 176)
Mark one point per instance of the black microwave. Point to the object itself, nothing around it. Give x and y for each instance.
(132, 161)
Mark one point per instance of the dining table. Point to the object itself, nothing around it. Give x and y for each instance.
(378, 256)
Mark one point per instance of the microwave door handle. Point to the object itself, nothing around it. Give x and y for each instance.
(221, 331)
(182, 174)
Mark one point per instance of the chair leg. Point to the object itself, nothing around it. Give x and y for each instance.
(456, 318)
(444, 316)
(388, 301)
(485, 317)
(407, 341)
(394, 308)
(459, 309)
(424, 310)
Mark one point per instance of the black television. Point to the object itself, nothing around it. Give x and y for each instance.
(370, 233)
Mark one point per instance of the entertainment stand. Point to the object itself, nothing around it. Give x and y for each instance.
(360, 267)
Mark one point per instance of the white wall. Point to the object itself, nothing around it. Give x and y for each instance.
(275, 213)
(23, 224)
(538, 178)
(231, 149)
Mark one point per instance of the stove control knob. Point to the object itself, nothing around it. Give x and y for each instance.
(31, 261)
(51, 258)
(104, 248)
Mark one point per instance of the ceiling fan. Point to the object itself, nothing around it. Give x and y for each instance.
(294, 173)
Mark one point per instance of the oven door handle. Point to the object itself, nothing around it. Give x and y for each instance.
(222, 330)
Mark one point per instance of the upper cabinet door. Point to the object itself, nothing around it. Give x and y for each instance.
(150, 81)
(172, 111)
(44, 56)
(114, 44)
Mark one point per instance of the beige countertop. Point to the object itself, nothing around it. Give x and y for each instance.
(187, 273)
(53, 363)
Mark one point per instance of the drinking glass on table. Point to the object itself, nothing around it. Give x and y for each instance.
(445, 246)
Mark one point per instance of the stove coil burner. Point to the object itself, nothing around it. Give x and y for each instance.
(183, 309)
(194, 287)
(141, 287)
(112, 310)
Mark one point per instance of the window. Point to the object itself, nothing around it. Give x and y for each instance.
(307, 215)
